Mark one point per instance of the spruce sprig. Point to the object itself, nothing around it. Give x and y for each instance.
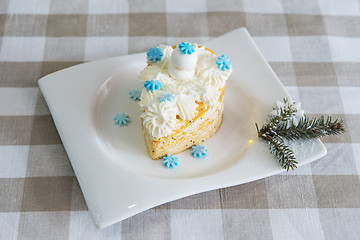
(311, 128)
(283, 153)
(283, 124)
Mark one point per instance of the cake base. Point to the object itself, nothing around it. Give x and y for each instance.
(193, 133)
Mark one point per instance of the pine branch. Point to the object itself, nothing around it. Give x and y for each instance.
(283, 153)
(281, 126)
(306, 129)
(311, 128)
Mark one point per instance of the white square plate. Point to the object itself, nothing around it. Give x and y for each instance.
(115, 173)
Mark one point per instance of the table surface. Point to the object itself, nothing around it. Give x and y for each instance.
(314, 48)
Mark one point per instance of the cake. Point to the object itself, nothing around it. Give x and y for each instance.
(182, 100)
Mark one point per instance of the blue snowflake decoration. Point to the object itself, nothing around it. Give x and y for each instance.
(224, 62)
(170, 161)
(199, 151)
(135, 94)
(121, 119)
(186, 48)
(167, 97)
(152, 85)
(154, 54)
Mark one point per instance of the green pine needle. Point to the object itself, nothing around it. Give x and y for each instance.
(281, 126)
(312, 128)
(283, 153)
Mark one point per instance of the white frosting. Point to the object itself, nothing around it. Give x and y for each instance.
(174, 74)
(160, 119)
(209, 95)
(149, 98)
(209, 72)
(154, 72)
(215, 77)
(167, 51)
(150, 72)
(186, 106)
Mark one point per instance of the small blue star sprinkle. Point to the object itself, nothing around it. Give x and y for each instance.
(170, 161)
(223, 62)
(167, 97)
(135, 94)
(121, 119)
(154, 54)
(186, 48)
(199, 151)
(152, 85)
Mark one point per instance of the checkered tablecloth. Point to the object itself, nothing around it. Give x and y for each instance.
(313, 46)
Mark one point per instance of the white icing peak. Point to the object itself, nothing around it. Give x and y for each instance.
(189, 77)
(160, 119)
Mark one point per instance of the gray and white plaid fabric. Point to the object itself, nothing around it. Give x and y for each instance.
(313, 46)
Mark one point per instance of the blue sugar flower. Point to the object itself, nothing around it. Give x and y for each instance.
(135, 94)
(170, 161)
(154, 54)
(121, 119)
(152, 85)
(186, 48)
(167, 97)
(199, 151)
(223, 62)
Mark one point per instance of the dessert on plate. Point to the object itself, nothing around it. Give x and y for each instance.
(183, 97)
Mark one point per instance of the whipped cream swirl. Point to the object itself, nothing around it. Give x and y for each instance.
(160, 119)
